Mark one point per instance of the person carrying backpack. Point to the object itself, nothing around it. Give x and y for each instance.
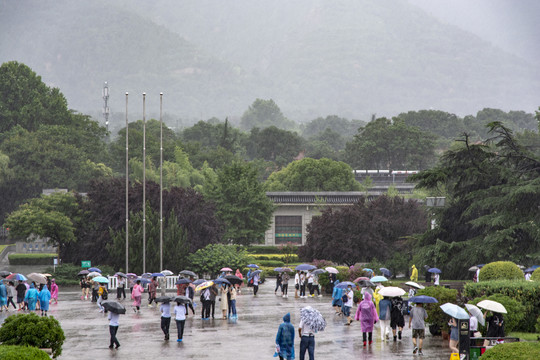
(367, 315)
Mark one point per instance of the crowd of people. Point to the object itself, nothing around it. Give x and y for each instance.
(28, 295)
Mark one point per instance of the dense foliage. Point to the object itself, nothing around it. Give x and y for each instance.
(364, 231)
(216, 256)
(501, 270)
(435, 314)
(32, 330)
(17, 352)
(492, 194)
(513, 351)
(526, 293)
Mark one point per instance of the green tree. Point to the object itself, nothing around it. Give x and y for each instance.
(242, 204)
(214, 257)
(493, 192)
(26, 101)
(265, 113)
(49, 216)
(313, 175)
(387, 144)
(273, 144)
(343, 127)
(438, 122)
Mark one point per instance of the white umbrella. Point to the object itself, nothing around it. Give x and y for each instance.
(492, 306)
(331, 270)
(312, 318)
(415, 285)
(93, 274)
(473, 268)
(476, 312)
(167, 272)
(391, 291)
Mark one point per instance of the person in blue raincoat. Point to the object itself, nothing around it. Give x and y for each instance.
(31, 297)
(336, 298)
(44, 297)
(285, 339)
(3, 296)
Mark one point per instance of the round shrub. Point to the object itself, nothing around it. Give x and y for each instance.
(516, 311)
(536, 275)
(16, 352)
(501, 270)
(437, 317)
(33, 330)
(513, 351)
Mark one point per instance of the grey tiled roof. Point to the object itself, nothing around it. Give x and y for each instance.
(286, 197)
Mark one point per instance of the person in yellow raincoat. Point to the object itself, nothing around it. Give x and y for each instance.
(414, 274)
(377, 297)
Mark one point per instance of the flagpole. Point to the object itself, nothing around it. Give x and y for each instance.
(127, 186)
(144, 183)
(161, 182)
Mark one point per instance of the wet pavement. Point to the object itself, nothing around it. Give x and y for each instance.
(250, 337)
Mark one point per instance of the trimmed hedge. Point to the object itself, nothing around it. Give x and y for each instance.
(32, 330)
(525, 292)
(270, 263)
(266, 249)
(501, 270)
(513, 351)
(536, 275)
(435, 314)
(516, 311)
(31, 259)
(15, 352)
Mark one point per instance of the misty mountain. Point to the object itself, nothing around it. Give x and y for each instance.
(351, 58)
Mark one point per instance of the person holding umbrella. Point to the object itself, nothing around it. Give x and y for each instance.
(495, 326)
(232, 307)
(152, 290)
(285, 339)
(180, 318)
(385, 310)
(278, 283)
(241, 277)
(102, 295)
(417, 319)
(347, 305)
(121, 287)
(311, 321)
(397, 321)
(454, 335)
(21, 292)
(285, 284)
(113, 328)
(165, 310)
(336, 299)
(224, 302)
(12, 293)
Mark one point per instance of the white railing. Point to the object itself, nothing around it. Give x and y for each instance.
(170, 282)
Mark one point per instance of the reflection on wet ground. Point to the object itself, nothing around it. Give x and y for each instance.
(250, 337)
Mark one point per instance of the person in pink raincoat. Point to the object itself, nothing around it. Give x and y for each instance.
(367, 314)
(136, 295)
(54, 292)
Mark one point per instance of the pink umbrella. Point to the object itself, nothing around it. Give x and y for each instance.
(361, 278)
(226, 269)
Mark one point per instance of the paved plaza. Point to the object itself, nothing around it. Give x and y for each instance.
(250, 337)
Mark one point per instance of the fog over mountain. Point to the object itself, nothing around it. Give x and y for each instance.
(350, 58)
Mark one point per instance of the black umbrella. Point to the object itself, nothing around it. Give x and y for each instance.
(121, 274)
(365, 283)
(198, 281)
(182, 281)
(188, 273)
(182, 299)
(5, 273)
(233, 279)
(83, 273)
(113, 306)
(164, 299)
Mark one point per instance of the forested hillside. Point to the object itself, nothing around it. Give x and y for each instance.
(313, 58)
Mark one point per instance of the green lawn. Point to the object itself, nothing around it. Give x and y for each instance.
(525, 336)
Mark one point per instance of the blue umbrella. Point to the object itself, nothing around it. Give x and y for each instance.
(529, 270)
(183, 281)
(278, 269)
(101, 279)
(144, 280)
(345, 284)
(378, 279)
(157, 274)
(222, 281)
(17, 276)
(146, 275)
(92, 269)
(197, 282)
(305, 267)
(423, 299)
(434, 271)
(253, 266)
(255, 273)
(367, 270)
(318, 271)
(455, 311)
(386, 272)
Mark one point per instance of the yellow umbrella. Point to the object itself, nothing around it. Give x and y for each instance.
(204, 285)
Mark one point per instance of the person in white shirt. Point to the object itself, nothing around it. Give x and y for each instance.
(473, 325)
(436, 279)
(180, 317)
(113, 329)
(348, 305)
(165, 309)
(307, 341)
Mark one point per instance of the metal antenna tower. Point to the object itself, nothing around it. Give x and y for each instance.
(106, 106)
